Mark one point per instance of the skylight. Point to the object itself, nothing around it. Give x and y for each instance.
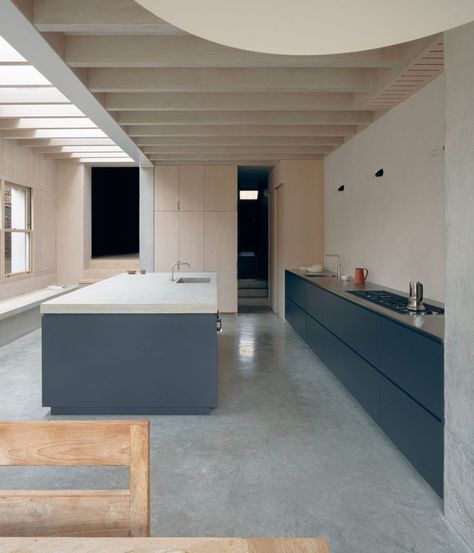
(248, 194)
(36, 114)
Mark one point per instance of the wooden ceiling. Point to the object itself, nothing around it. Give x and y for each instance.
(186, 100)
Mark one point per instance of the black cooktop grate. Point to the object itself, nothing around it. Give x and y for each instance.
(394, 302)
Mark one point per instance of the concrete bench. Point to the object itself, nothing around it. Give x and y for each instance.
(21, 314)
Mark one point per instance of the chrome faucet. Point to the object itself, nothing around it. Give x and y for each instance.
(339, 266)
(178, 264)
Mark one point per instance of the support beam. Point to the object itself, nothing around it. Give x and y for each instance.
(104, 17)
(238, 130)
(80, 149)
(226, 101)
(20, 33)
(23, 134)
(191, 51)
(237, 150)
(13, 111)
(97, 155)
(55, 142)
(20, 96)
(244, 118)
(239, 141)
(233, 80)
(47, 123)
(231, 157)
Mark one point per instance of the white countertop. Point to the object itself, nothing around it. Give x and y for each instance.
(149, 293)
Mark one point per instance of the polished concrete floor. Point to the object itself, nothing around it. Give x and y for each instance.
(288, 452)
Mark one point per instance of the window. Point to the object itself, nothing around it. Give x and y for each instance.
(248, 195)
(15, 228)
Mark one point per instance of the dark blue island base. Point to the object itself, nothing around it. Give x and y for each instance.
(129, 364)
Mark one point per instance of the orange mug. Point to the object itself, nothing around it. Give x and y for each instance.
(361, 274)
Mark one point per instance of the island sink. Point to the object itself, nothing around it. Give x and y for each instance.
(193, 280)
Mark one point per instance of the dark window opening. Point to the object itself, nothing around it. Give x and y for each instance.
(115, 211)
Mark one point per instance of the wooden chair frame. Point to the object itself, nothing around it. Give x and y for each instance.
(77, 512)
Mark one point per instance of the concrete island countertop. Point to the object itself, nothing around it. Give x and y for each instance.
(431, 325)
(149, 293)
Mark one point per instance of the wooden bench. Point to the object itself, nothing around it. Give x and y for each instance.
(77, 512)
(21, 314)
(164, 545)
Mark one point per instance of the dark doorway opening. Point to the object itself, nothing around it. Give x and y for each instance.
(253, 235)
(115, 211)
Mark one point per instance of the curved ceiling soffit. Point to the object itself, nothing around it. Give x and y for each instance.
(312, 27)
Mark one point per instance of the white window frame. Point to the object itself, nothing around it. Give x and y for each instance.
(3, 231)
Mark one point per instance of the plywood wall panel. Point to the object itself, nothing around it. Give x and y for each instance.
(166, 240)
(166, 188)
(191, 188)
(220, 188)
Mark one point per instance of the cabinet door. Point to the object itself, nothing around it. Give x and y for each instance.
(417, 434)
(296, 317)
(191, 239)
(295, 289)
(220, 241)
(191, 188)
(314, 335)
(314, 301)
(227, 291)
(166, 188)
(166, 240)
(220, 188)
(362, 380)
(354, 325)
(413, 362)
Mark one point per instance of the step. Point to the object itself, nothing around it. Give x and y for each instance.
(253, 301)
(252, 283)
(101, 274)
(121, 263)
(253, 292)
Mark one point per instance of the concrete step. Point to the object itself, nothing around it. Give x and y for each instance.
(252, 283)
(253, 301)
(253, 292)
(100, 274)
(120, 263)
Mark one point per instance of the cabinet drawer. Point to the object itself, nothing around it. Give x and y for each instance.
(413, 362)
(295, 289)
(354, 325)
(314, 301)
(314, 335)
(296, 317)
(417, 434)
(362, 380)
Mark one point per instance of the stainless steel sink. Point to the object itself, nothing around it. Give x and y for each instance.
(193, 280)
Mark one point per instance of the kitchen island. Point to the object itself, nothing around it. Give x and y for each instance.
(132, 344)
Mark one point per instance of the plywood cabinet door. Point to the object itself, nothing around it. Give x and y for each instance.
(166, 240)
(191, 188)
(166, 188)
(220, 241)
(220, 188)
(191, 239)
(227, 291)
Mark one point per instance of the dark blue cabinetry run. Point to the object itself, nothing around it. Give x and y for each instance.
(395, 373)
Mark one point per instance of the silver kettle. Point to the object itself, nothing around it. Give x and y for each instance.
(415, 297)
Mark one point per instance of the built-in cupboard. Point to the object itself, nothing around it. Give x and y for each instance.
(196, 221)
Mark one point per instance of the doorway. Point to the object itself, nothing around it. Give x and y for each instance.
(252, 265)
(115, 195)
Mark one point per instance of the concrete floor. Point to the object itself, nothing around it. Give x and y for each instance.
(288, 452)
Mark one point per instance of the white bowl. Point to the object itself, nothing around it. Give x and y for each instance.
(346, 277)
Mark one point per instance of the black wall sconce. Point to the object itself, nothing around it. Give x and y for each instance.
(379, 173)
(341, 189)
